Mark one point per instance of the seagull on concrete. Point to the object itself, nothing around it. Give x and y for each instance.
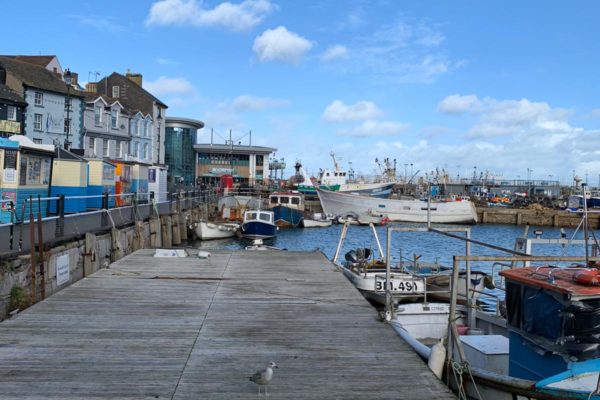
(263, 377)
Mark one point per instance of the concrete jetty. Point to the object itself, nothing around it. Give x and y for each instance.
(192, 328)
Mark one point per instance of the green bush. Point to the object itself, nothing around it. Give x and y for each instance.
(19, 299)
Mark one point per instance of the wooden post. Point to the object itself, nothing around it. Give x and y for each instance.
(183, 225)
(117, 247)
(89, 257)
(484, 217)
(175, 232)
(519, 218)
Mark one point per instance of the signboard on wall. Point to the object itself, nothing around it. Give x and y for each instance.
(10, 126)
(63, 273)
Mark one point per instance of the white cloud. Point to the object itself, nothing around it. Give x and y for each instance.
(252, 103)
(166, 61)
(402, 52)
(105, 23)
(235, 17)
(362, 110)
(279, 44)
(372, 128)
(165, 85)
(456, 104)
(336, 52)
(227, 114)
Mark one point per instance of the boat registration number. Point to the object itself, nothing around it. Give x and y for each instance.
(398, 286)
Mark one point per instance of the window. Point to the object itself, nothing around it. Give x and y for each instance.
(115, 91)
(37, 122)
(105, 147)
(114, 116)
(134, 150)
(11, 113)
(145, 150)
(139, 127)
(148, 127)
(37, 141)
(97, 115)
(119, 149)
(68, 102)
(67, 128)
(134, 127)
(39, 99)
(92, 144)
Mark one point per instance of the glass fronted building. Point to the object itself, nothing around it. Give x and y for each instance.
(180, 155)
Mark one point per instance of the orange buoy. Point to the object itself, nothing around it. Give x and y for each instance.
(588, 277)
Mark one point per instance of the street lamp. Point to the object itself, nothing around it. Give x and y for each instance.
(68, 80)
(158, 120)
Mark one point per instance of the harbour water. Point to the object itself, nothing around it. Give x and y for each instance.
(431, 246)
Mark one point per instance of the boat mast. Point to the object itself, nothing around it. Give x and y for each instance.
(335, 164)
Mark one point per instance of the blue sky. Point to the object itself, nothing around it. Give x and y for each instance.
(502, 86)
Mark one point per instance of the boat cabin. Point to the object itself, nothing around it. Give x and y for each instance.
(553, 318)
(259, 215)
(293, 200)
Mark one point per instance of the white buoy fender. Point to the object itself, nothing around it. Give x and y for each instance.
(437, 359)
(203, 254)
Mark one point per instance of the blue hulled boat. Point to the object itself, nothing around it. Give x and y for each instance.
(258, 224)
(288, 208)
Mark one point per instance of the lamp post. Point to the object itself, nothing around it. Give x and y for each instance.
(68, 80)
(158, 120)
(529, 171)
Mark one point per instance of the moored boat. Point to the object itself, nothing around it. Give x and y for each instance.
(206, 230)
(337, 203)
(288, 208)
(258, 224)
(542, 344)
(316, 221)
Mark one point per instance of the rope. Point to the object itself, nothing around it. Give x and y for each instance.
(458, 369)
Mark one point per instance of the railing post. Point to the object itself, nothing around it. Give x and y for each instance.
(59, 231)
(104, 219)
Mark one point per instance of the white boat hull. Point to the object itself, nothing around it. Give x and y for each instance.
(337, 203)
(404, 286)
(215, 230)
(315, 223)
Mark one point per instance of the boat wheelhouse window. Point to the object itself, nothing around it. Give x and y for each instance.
(251, 215)
(265, 217)
(274, 199)
(295, 200)
(343, 174)
(284, 200)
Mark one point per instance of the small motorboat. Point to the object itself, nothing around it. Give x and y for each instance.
(258, 224)
(215, 230)
(316, 220)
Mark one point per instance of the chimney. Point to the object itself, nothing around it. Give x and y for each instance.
(91, 87)
(134, 77)
(74, 77)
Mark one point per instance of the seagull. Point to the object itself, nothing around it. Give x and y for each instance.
(263, 377)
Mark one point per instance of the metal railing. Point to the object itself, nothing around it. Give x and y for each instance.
(59, 226)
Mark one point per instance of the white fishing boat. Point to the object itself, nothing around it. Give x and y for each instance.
(316, 220)
(369, 276)
(337, 203)
(206, 230)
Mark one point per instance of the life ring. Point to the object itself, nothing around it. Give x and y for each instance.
(588, 277)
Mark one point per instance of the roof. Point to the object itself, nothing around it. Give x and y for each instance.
(553, 279)
(184, 121)
(35, 76)
(132, 95)
(7, 94)
(62, 154)
(42, 61)
(235, 149)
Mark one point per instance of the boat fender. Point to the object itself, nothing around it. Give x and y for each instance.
(588, 277)
(437, 358)
(203, 254)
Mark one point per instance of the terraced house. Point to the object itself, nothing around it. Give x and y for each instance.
(54, 112)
